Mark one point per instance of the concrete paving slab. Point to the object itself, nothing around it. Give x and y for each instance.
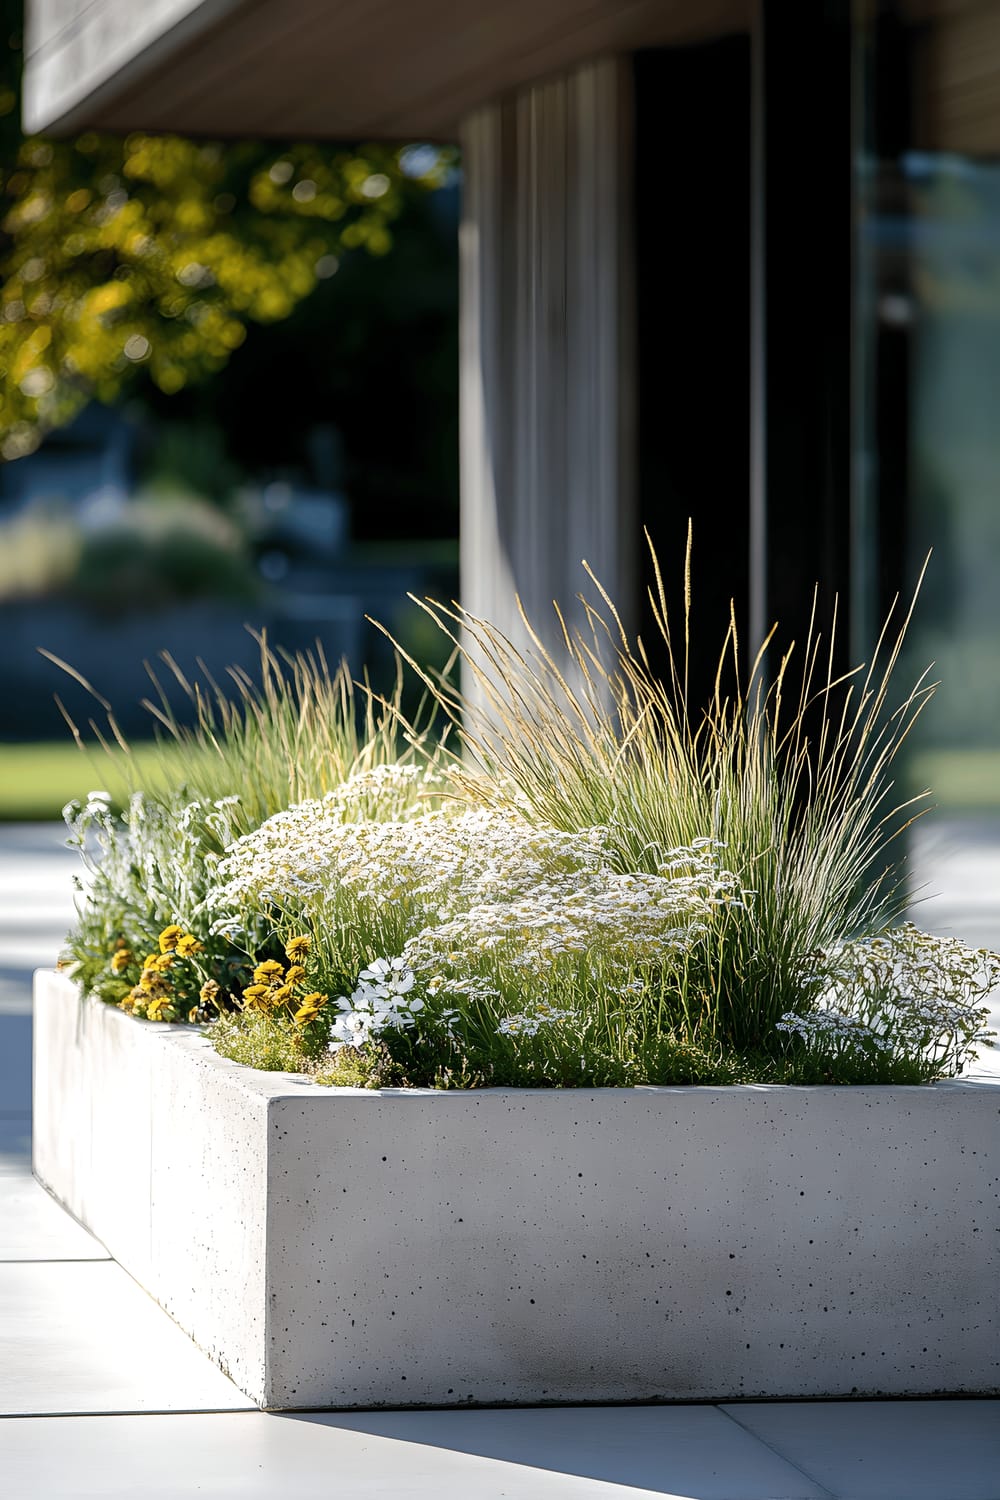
(15, 989)
(34, 839)
(15, 1145)
(886, 1450)
(15, 1064)
(81, 1336)
(33, 1226)
(678, 1453)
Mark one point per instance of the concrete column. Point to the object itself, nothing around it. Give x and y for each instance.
(546, 349)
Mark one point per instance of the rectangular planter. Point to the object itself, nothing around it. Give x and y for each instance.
(346, 1248)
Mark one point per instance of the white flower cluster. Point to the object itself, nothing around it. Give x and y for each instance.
(831, 1028)
(384, 793)
(150, 857)
(381, 1002)
(908, 992)
(480, 881)
(532, 1023)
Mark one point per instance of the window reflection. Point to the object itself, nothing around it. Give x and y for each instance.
(927, 433)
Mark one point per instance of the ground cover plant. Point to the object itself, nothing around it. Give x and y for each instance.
(592, 883)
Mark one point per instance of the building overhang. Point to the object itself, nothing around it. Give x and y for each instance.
(322, 69)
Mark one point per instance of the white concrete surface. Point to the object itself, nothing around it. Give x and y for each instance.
(81, 1336)
(36, 908)
(346, 1248)
(563, 1454)
(950, 1450)
(34, 1227)
(915, 1450)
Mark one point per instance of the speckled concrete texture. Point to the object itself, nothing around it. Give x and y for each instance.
(348, 1248)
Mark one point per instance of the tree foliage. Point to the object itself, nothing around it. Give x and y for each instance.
(153, 253)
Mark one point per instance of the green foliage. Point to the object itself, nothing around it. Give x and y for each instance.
(39, 552)
(272, 1043)
(154, 253)
(526, 916)
(165, 549)
(148, 869)
(792, 777)
(297, 732)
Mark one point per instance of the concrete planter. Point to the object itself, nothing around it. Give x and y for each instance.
(341, 1248)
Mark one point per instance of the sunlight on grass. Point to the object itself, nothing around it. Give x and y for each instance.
(37, 780)
(959, 780)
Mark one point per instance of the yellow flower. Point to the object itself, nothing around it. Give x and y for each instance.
(208, 992)
(160, 962)
(156, 1007)
(295, 974)
(187, 945)
(268, 972)
(121, 960)
(310, 1008)
(134, 1003)
(256, 996)
(169, 936)
(297, 947)
(280, 995)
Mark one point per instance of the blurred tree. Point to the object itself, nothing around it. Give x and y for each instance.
(152, 253)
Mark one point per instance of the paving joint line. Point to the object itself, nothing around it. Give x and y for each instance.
(156, 1411)
(829, 1494)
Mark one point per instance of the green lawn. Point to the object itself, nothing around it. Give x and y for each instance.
(959, 780)
(37, 780)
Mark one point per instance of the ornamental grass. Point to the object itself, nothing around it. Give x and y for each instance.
(600, 884)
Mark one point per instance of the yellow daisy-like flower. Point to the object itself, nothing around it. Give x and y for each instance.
(169, 936)
(188, 945)
(297, 947)
(268, 972)
(160, 962)
(281, 994)
(121, 960)
(256, 996)
(156, 1007)
(310, 1008)
(295, 975)
(135, 1000)
(208, 992)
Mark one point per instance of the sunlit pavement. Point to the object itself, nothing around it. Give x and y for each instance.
(102, 1396)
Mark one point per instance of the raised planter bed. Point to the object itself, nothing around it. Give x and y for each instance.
(344, 1248)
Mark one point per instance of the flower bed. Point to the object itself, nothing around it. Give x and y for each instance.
(350, 1247)
(458, 1167)
(601, 890)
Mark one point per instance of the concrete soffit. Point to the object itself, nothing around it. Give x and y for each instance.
(79, 53)
(323, 69)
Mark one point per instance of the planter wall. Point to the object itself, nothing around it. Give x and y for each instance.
(340, 1248)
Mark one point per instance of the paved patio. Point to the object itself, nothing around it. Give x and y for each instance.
(102, 1396)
